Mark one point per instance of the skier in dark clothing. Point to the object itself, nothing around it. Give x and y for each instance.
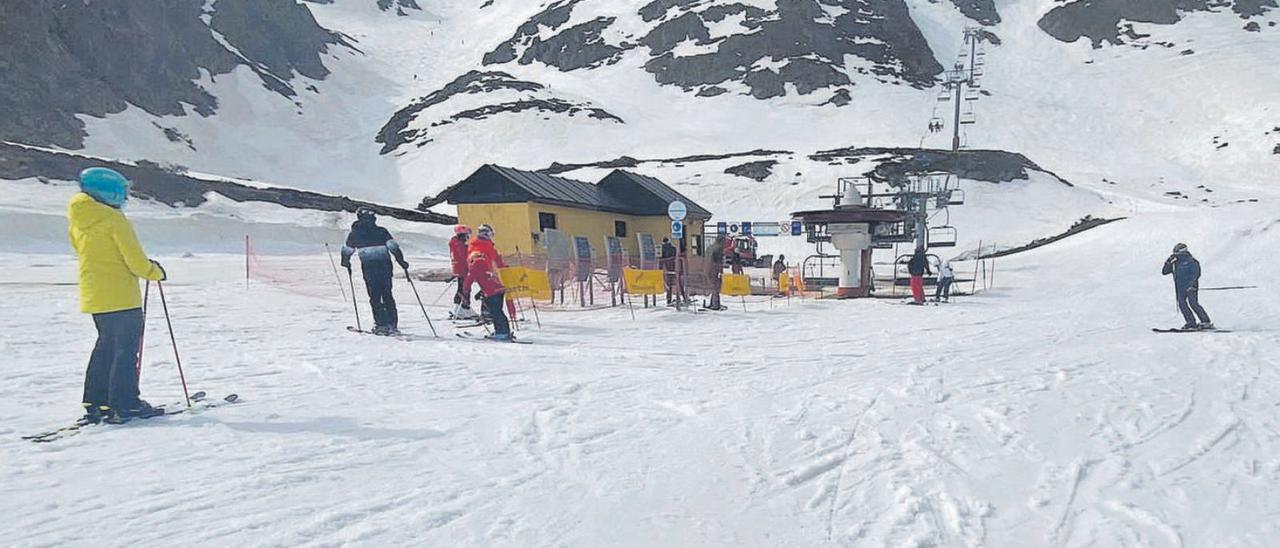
(1186, 283)
(375, 247)
(668, 262)
(917, 267)
(715, 271)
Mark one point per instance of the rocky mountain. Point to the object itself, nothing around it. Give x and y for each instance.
(394, 99)
(63, 59)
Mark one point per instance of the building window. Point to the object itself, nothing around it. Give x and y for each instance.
(620, 229)
(546, 220)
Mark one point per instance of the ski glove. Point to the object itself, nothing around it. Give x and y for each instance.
(404, 265)
(164, 276)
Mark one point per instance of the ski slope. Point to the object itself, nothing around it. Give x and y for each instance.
(1043, 412)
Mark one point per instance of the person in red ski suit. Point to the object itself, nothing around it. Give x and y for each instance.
(458, 256)
(481, 270)
(484, 244)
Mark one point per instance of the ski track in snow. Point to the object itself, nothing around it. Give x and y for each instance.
(1043, 412)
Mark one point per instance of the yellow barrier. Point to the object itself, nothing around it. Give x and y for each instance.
(735, 285)
(644, 282)
(784, 283)
(524, 282)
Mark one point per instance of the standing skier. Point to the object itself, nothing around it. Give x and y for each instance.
(668, 262)
(1186, 283)
(110, 262)
(715, 271)
(917, 267)
(484, 244)
(458, 256)
(375, 247)
(482, 271)
(946, 276)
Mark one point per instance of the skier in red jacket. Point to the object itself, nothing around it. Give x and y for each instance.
(484, 244)
(481, 271)
(458, 255)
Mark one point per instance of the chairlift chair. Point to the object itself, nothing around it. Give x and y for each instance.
(942, 236)
(968, 118)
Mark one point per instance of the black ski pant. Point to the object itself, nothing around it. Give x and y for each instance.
(1189, 304)
(460, 293)
(112, 376)
(377, 280)
(497, 312)
(944, 288)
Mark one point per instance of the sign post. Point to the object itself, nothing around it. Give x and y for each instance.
(677, 211)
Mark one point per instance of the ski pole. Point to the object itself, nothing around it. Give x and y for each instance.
(447, 285)
(174, 341)
(137, 370)
(335, 272)
(420, 305)
(354, 306)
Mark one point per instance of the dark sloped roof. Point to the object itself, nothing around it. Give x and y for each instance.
(620, 192)
(653, 187)
(549, 188)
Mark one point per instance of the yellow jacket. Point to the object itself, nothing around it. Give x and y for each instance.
(111, 259)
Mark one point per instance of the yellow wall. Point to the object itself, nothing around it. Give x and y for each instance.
(516, 223)
(510, 224)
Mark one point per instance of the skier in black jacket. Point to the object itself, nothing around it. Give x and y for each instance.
(1186, 283)
(375, 247)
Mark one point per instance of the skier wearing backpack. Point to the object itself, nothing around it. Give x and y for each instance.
(1186, 283)
(458, 256)
(376, 247)
(110, 262)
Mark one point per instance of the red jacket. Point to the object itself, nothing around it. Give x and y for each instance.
(458, 253)
(486, 246)
(481, 271)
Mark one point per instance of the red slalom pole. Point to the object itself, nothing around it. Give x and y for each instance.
(137, 369)
(174, 341)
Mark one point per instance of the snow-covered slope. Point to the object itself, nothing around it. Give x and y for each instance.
(1042, 413)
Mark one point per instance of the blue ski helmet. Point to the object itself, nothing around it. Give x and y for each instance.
(105, 185)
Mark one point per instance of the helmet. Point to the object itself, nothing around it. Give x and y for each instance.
(1180, 248)
(364, 214)
(485, 231)
(461, 229)
(105, 185)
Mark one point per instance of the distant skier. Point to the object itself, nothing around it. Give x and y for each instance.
(376, 248)
(484, 244)
(482, 270)
(1186, 283)
(779, 266)
(111, 261)
(918, 266)
(946, 276)
(715, 271)
(458, 256)
(667, 260)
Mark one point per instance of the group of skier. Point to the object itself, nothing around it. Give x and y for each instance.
(111, 261)
(473, 263)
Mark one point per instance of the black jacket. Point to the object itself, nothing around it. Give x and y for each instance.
(373, 243)
(918, 265)
(668, 258)
(1185, 270)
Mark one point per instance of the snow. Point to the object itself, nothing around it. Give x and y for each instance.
(1041, 412)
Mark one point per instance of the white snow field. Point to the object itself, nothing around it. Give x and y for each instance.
(1041, 413)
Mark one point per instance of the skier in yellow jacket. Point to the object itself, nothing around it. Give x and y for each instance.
(111, 261)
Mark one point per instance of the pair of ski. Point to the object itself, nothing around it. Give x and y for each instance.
(1196, 330)
(473, 337)
(199, 401)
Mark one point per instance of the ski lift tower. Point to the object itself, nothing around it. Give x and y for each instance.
(961, 83)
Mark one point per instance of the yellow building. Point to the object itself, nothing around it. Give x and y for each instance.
(520, 205)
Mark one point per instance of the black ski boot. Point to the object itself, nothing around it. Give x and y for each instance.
(143, 410)
(92, 413)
